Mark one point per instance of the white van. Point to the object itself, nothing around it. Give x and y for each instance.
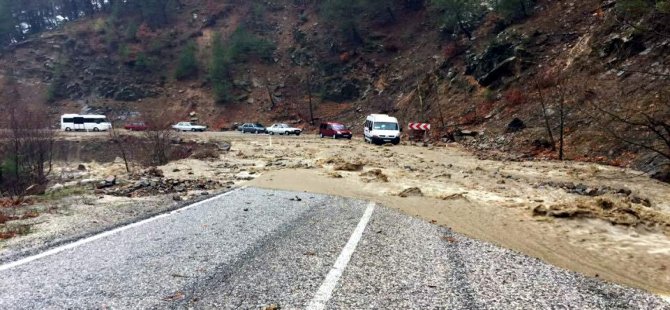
(381, 129)
(76, 122)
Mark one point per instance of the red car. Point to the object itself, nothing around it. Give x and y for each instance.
(136, 126)
(334, 130)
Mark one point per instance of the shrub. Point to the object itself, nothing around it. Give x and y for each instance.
(144, 63)
(663, 6)
(489, 95)
(633, 8)
(515, 97)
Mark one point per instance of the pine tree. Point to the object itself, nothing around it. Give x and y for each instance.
(187, 65)
(7, 22)
(219, 71)
(459, 14)
(514, 9)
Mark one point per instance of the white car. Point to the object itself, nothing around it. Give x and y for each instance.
(187, 126)
(283, 129)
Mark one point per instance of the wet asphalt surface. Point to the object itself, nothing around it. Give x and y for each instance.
(253, 248)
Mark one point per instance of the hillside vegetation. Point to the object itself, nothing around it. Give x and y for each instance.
(581, 80)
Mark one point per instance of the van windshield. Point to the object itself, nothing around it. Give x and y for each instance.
(338, 127)
(385, 126)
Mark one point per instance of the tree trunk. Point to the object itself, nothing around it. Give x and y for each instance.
(562, 129)
(272, 99)
(309, 98)
(391, 15)
(546, 119)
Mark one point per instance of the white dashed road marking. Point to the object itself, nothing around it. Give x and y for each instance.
(328, 286)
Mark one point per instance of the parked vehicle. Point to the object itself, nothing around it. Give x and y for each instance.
(188, 126)
(283, 129)
(136, 126)
(334, 130)
(76, 122)
(381, 129)
(254, 128)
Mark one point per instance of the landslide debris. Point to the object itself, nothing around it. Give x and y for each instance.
(340, 164)
(374, 175)
(615, 210)
(411, 192)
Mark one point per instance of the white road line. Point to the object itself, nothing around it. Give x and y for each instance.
(80, 242)
(325, 292)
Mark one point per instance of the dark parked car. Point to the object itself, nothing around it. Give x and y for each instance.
(253, 128)
(136, 126)
(334, 130)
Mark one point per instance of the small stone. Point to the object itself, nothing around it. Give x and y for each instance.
(55, 188)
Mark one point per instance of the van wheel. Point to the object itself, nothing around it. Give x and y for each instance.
(95, 129)
(321, 135)
(68, 129)
(272, 133)
(335, 136)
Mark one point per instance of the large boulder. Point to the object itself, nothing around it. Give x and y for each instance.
(500, 59)
(662, 174)
(516, 125)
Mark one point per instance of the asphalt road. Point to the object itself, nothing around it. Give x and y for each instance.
(253, 248)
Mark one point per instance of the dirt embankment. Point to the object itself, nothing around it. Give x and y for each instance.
(602, 221)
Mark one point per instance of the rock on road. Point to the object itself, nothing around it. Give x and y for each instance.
(252, 248)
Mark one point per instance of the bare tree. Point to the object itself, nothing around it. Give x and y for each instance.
(558, 97)
(28, 150)
(121, 144)
(309, 98)
(645, 125)
(545, 115)
(158, 136)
